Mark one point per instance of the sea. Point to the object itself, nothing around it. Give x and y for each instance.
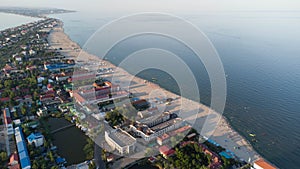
(12, 20)
(261, 57)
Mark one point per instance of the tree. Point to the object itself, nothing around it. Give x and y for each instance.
(149, 152)
(8, 84)
(3, 156)
(23, 110)
(89, 149)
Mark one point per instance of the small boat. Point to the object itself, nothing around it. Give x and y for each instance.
(252, 135)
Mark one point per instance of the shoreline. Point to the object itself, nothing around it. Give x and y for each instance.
(224, 133)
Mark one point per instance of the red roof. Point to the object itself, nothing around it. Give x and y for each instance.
(13, 157)
(4, 99)
(28, 97)
(49, 86)
(166, 150)
(264, 164)
(18, 98)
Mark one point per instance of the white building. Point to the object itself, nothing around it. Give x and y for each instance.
(36, 138)
(120, 141)
(151, 133)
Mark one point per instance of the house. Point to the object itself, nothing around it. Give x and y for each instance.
(27, 99)
(30, 68)
(42, 112)
(263, 164)
(32, 52)
(14, 159)
(40, 79)
(4, 99)
(166, 151)
(18, 58)
(49, 87)
(36, 139)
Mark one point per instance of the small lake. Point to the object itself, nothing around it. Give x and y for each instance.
(70, 141)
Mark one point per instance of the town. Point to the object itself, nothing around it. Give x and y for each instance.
(39, 83)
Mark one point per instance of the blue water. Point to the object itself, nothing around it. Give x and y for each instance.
(261, 57)
(12, 20)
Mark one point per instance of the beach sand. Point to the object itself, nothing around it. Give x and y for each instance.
(223, 133)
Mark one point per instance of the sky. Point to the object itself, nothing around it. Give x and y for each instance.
(158, 5)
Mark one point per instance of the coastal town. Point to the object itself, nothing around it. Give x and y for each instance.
(42, 80)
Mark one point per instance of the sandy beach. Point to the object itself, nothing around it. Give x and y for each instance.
(223, 133)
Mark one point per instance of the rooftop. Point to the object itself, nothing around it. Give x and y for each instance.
(166, 124)
(264, 164)
(122, 138)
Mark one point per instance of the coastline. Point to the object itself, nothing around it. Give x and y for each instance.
(224, 133)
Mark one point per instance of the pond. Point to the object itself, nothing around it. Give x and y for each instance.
(70, 141)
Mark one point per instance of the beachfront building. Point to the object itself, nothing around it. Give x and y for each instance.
(22, 149)
(262, 164)
(120, 141)
(165, 138)
(36, 139)
(154, 126)
(100, 91)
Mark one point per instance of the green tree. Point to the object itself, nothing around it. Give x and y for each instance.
(23, 110)
(3, 156)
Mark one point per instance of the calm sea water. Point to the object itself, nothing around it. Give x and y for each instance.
(261, 57)
(11, 20)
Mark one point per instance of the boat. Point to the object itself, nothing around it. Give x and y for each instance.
(252, 135)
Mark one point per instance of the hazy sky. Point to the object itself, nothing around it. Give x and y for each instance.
(158, 5)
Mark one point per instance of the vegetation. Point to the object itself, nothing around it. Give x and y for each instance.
(114, 117)
(89, 149)
(3, 159)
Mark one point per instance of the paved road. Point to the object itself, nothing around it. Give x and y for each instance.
(97, 156)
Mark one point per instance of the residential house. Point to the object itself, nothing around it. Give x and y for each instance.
(36, 139)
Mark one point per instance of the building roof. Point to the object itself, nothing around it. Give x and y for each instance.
(166, 124)
(166, 150)
(4, 99)
(22, 150)
(34, 136)
(122, 138)
(13, 157)
(264, 164)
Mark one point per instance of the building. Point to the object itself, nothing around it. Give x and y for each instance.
(262, 164)
(166, 151)
(98, 92)
(163, 139)
(150, 128)
(8, 121)
(120, 141)
(36, 139)
(14, 161)
(22, 149)
(42, 111)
